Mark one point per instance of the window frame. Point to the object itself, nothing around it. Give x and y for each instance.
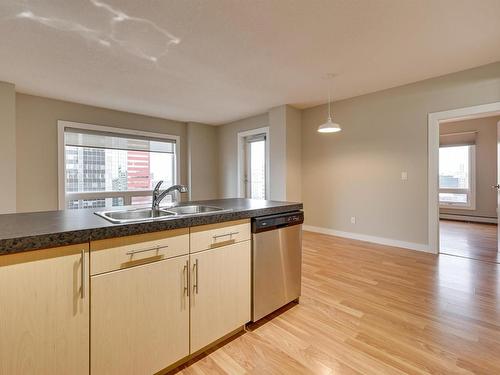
(63, 198)
(471, 192)
(242, 159)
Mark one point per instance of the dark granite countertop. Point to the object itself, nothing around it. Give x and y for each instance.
(39, 230)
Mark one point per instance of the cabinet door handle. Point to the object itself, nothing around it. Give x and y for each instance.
(156, 248)
(195, 283)
(186, 278)
(231, 234)
(83, 291)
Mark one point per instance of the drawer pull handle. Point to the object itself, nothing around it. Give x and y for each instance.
(231, 234)
(195, 269)
(156, 248)
(186, 278)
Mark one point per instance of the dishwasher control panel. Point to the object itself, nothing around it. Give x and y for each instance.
(263, 223)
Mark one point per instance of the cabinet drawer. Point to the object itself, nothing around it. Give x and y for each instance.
(220, 234)
(123, 252)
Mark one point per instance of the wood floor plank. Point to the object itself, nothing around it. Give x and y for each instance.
(372, 309)
(470, 240)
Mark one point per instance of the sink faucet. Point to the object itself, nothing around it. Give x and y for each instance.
(158, 197)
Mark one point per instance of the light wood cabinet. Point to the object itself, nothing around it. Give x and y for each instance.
(128, 305)
(124, 252)
(140, 318)
(44, 312)
(220, 292)
(219, 234)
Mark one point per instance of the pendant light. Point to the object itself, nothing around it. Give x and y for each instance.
(329, 126)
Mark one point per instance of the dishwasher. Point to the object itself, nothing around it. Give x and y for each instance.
(276, 261)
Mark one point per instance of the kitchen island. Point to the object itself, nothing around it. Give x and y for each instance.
(81, 295)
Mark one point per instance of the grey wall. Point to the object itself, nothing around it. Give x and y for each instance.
(357, 172)
(36, 135)
(486, 163)
(7, 148)
(203, 161)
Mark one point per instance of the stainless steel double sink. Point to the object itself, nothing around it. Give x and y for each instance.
(147, 214)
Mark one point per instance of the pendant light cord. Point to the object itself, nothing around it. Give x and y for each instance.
(329, 100)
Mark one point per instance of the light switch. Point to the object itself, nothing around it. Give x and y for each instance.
(404, 176)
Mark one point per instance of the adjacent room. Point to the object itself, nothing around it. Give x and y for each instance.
(468, 188)
(249, 187)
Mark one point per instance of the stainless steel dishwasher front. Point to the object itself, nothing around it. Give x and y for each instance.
(276, 261)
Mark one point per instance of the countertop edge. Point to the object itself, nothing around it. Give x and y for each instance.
(73, 237)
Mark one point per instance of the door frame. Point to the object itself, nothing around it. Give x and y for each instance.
(241, 159)
(434, 119)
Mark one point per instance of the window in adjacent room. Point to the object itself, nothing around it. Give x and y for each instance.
(104, 167)
(456, 176)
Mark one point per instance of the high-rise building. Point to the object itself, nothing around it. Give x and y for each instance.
(85, 171)
(138, 170)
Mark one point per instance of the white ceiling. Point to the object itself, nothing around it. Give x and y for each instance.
(215, 61)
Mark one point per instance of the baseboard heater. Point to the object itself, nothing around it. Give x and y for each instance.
(474, 219)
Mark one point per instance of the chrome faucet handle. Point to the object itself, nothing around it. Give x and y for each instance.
(158, 185)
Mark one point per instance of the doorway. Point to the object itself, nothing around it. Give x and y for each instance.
(253, 164)
(463, 219)
(467, 196)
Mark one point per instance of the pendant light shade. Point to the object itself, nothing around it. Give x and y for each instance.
(329, 126)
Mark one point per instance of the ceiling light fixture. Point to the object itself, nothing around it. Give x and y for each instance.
(329, 126)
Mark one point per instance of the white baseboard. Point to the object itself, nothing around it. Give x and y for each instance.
(368, 238)
(473, 219)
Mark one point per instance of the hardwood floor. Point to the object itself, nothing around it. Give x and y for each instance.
(470, 240)
(372, 309)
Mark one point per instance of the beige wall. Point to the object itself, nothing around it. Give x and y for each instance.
(277, 153)
(293, 154)
(357, 172)
(228, 151)
(36, 135)
(7, 148)
(486, 163)
(203, 161)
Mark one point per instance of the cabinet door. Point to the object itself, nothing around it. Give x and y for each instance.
(140, 318)
(220, 293)
(44, 312)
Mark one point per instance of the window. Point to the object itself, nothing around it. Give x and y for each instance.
(103, 167)
(254, 164)
(256, 168)
(456, 176)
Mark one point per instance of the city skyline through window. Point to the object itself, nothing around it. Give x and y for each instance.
(99, 169)
(455, 176)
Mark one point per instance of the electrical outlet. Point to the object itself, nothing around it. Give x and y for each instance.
(353, 219)
(404, 176)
